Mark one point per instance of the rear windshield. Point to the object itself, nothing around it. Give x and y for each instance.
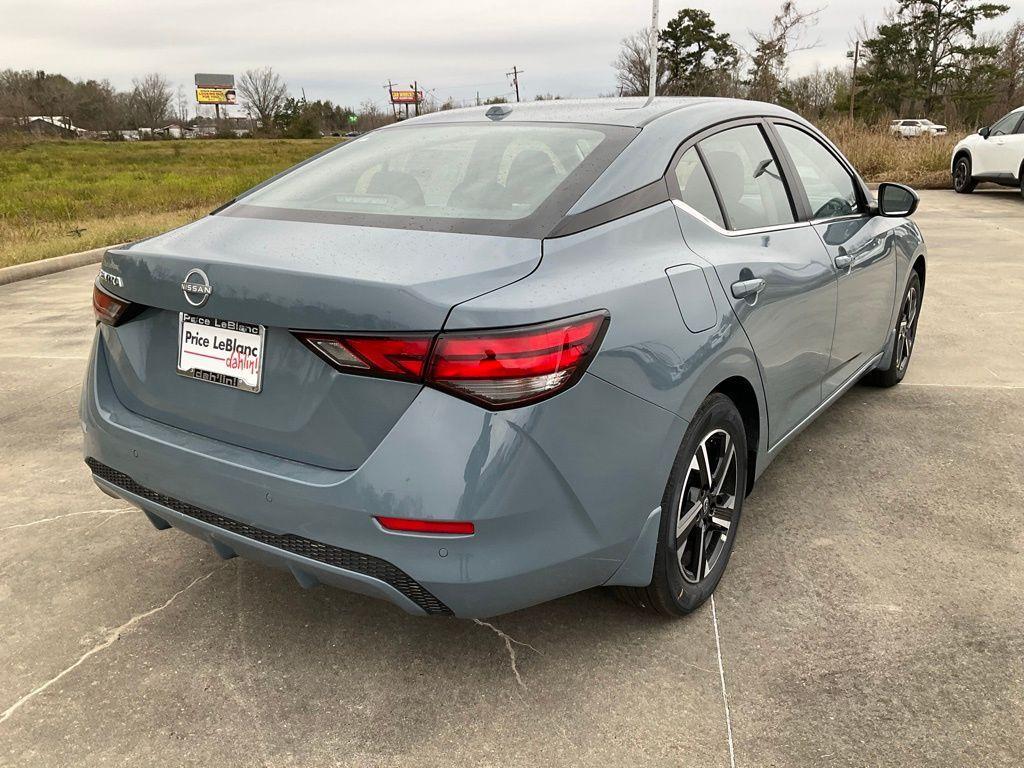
(500, 178)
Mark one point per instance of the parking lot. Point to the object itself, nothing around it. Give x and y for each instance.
(871, 614)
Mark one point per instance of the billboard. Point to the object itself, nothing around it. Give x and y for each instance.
(406, 97)
(216, 96)
(206, 80)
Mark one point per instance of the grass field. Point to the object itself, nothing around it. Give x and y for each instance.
(59, 197)
(114, 192)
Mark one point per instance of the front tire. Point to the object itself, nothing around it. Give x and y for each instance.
(701, 509)
(906, 337)
(963, 183)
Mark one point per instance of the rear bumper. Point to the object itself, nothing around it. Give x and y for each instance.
(559, 493)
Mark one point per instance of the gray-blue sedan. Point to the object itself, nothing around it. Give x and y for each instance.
(492, 356)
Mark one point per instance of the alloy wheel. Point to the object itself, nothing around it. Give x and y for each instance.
(706, 505)
(960, 175)
(907, 329)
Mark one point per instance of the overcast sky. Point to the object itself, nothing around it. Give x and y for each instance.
(345, 50)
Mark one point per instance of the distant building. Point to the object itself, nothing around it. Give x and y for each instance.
(51, 125)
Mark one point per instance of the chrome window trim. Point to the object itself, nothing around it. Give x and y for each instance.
(737, 232)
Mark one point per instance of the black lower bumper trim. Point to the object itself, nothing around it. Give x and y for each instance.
(328, 554)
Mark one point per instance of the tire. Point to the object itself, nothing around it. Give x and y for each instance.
(681, 584)
(962, 181)
(906, 337)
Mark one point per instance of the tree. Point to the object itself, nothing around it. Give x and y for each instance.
(818, 94)
(770, 58)
(948, 26)
(633, 66)
(928, 54)
(265, 94)
(1011, 64)
(698, 58)
(150, 100)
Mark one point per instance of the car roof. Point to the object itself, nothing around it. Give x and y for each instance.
(628, 111)
(663, 124)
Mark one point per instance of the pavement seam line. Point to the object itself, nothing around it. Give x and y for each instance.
(721, 678)
(511, 649)
(119, 511)
(112, 637)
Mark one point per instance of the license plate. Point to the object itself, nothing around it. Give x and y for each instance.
(221, 351)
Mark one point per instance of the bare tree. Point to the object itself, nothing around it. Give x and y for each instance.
(151, 98)
(769, 59)
(265, 92)
(632, 67)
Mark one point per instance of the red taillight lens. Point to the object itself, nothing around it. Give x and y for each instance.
(506, 368)
(106, 307)
(396, 357)
(503, 368)
(451, 527)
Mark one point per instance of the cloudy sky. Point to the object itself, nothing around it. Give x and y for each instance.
(346, 50)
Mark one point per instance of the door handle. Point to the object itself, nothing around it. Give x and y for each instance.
(745, 289)
(843, 261)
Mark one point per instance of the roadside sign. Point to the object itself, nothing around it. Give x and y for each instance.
(216, 96)
(206, 80)
(406, 97)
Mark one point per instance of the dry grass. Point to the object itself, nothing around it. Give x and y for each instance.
(922, 162)
(59, 197)
(63, 196)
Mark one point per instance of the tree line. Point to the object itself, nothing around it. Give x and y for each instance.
(925, 58)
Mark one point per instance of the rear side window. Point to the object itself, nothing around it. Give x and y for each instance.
(830, 188)
(468, 171)
(695, 187)
(748, 178)
(1006, 124)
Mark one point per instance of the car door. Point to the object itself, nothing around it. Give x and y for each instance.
(995, 155)
(860, 247)
(736, 212)
(1010, 149)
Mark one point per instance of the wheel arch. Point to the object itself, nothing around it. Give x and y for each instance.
(744, 397)
(962, 152)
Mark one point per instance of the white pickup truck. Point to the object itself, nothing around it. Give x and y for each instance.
(911, 129)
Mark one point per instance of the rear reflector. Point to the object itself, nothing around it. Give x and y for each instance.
(426, 526)
(106, 307)
(501, 368)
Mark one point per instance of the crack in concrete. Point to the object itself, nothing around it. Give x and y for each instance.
(112, 637)
(510, 642)
(118, 511)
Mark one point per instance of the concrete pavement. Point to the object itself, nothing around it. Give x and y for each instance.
(871, 614)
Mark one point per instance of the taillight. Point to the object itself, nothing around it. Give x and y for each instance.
(394, 357)
(506, 368)
(106, 307)
(500, 368)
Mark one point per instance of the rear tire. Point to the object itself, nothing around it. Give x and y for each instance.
(963, 183)
(701, 509)
(906, 337)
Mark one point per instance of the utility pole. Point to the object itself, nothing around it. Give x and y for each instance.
(514, 74)
(653, 86)
(855, 55)
(416, 95)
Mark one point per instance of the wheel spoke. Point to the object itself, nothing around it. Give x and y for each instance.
(721, 514)
(698, 570)
(684, 521)
(704, 464)
(722, 470)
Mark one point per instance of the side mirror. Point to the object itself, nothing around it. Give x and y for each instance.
(984, 132)
(896, 200)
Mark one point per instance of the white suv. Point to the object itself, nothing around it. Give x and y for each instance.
(992, 154)
(909, 129)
